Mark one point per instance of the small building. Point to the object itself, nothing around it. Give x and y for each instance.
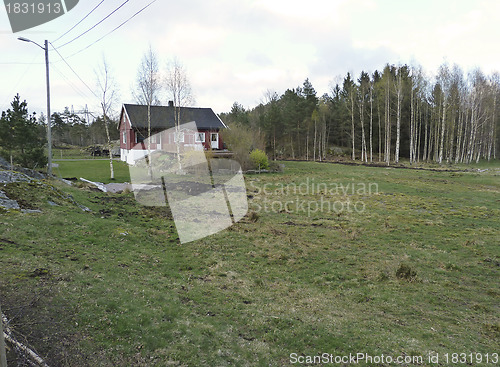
(133, 128)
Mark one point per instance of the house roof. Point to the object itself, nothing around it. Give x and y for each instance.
(163, 117)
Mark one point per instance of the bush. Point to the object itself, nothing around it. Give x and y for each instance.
(406, 272)
(259, 159)
(241, 139)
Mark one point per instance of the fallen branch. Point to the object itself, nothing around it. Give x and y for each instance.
(99, 185)
(7, 333)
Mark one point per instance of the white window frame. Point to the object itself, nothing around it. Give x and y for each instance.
(179, 135)
(124, 136)
(199, 135)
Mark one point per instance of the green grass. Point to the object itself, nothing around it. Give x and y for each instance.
(415, 272)
(93, 170)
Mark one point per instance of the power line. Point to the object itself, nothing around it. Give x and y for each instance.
(70, 83)
(74, 72)
(107, 34)
(95, 25)
(85, 17)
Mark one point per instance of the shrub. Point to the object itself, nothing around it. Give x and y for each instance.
(406, 272)
(241, 139)
(259, 159)
(276, 167)
(253, 216)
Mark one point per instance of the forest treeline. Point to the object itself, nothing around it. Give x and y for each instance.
(395, 113)
(69, 128)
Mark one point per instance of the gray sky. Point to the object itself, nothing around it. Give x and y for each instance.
(236, 50)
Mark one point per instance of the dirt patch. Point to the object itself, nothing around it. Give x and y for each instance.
(39, 318)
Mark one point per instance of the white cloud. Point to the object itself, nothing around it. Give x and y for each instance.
(234, 51)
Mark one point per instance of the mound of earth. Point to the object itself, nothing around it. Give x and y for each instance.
(19, 191)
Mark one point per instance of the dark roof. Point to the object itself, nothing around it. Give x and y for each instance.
(162, 117)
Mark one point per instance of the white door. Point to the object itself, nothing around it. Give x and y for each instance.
(214, 141)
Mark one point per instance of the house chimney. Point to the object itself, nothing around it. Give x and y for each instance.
(170, 103)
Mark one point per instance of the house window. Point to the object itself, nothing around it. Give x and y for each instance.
(199, 137)
(139, 138)
(179, 137)
(124, 137)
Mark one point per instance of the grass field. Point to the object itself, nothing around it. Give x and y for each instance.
(333, 259)
(96, 170)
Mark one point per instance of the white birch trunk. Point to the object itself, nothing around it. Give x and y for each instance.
(111, 169)
(371, 123)
(399, 95)
(443, 128)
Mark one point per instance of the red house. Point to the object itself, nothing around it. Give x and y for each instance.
(134, 129)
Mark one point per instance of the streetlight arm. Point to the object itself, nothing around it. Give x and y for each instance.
(28, 40)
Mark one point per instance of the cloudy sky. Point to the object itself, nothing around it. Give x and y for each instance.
(236, 50)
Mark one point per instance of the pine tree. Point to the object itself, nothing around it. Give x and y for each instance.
(20, 136)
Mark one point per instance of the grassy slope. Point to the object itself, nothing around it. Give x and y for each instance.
(255, 293)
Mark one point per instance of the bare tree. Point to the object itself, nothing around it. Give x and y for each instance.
(148, 88)
(387, 77)
(416, 95)
(179, 91)
(107, 94)
(364, 85)
(444, 81)
(398, 87)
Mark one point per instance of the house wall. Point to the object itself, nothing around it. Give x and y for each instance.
(126, 133)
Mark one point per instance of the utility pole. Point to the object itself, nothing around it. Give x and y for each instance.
(49, 120)
(49, 123)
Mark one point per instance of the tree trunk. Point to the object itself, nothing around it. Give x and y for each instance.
(492, 130)
(387, 154)
(371, 123)
(177, 112)
(379, 134)
(399, 95)
(112, 171)
(412, 125)
(314, 145)
(363, 138)
(353, 136)
(443, 128)
(150, 168)
(307, 145)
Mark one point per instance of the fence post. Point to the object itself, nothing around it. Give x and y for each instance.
(3, 351)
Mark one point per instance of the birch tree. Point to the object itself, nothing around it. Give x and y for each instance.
(444, 81)
(387, 78)
(495, 82)
(108, 95)
(401, 75)
(417, 90)
(148, 88)
(364, 85)
(179, 91)
(378, 91)
(349, 91)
